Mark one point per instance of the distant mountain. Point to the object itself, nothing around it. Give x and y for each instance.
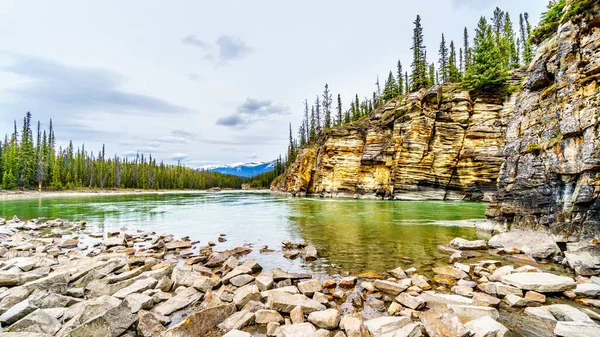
(242, 169)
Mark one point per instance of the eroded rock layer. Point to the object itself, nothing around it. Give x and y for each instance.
(437, 144)
(551, 178)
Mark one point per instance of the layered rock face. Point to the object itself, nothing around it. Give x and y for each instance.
(439, 144)
(551, 176)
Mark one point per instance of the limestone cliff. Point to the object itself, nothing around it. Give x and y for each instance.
(551, 176)
(437, 144)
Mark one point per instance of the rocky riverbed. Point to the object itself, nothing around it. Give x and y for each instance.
(57, 278)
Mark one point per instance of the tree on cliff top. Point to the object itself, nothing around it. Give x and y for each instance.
(419, 78)
(391, 88)
(487, 71)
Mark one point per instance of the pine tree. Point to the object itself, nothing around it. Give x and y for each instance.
(525, 30)
(27, 155)
(357, 107)
(419, 77)
(318, 113)
(291, 147)
(306, 121)
(461, 68)
(443, 61)
(302, 134)
(453, 72)
(431, 81)
(466, 49)
(488, 70)
(509, 39)
(400, 81)
(390, 89)
(406, 83)
(327, 106)
(339, 110)
(313, 124)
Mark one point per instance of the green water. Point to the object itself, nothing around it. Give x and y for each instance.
(351, 235)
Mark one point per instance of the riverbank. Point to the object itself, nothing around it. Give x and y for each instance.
(61, 278)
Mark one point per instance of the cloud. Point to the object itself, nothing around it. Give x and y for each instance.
(194, 77)
(61, 88)
(251, 111)
(193, 40)
(228, 48)
(179, 156)
(475, 4)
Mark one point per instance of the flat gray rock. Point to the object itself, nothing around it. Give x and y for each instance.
(536, 244)
(540, 282)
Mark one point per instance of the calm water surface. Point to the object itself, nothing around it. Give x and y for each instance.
(351, 235)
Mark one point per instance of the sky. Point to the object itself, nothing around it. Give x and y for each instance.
(207, 82)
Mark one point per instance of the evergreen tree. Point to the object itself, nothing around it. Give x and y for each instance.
(27, 155)
(453, 72)
(419, 77)
(461, 68)
(318, 113)
(488, 70)
(327, 106)
(431, 80)
(406, 83)
(525, 29)
(291, 147)
(357, 106)
(466, 49)
(302, 134)
(443, 61)
(391, 88)
(313, 124)
(400, 75)
(340, 121)
(509, 40)
(306, 121)
(353, 111)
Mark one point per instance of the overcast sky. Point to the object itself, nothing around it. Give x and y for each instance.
(206, 82)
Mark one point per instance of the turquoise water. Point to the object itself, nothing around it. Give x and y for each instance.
(351, 235)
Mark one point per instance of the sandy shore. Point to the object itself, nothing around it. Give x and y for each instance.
(12, 195)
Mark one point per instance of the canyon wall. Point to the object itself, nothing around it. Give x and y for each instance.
(440, 144)
(551, 175)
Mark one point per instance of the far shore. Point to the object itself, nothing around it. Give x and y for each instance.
(32, 194)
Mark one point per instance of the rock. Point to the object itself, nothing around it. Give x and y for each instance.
(179, 301)
(398, 273)
(280, 275)
(485, 300)
(165, 284)
(565, 312)
(246, 294)
(57, 282)
(115, 241)
(241, 280)
(285, 302)
(468, 313)
(500, 272)
(382, 326)
(308, 288)
(113, 322)
(264, 282)
(410, 330)
(296, 315)
(178, 245)
(36, 322)
(348, 282)
(137, 302)
(354, 327)
(541, 313)
(536, 297)
(415, 303)
(237, 271)
(394, 308)
(442, 300)
(148, 325)
(70, 243)
(583, 257)
(187, 277)
(136, 287)
(460, 243)
(237, 321)
(326, 319)
(237, 333)
(464, 267)
(450, 271)
(17, 312)
(518, 301)
(587, 289)
(267, 316)
(310, 253)
(201, 322)
(537, 244)
(443, 323)
(390, 287)
(540, 282)
(579, 329)
(486, 326)
(298, 330)
(272, 328)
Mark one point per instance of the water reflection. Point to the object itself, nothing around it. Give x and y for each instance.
(355, 235)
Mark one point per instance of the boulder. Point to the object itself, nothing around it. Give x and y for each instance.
(468, 313)
(245, 294)
(450, 271)
(382, 326)
(296, 315)
(326, 319)
(309, 287)
(187, 277)
(201, 322)
(137, 287)
(583, 257)
(443, 323)
(17, 312)
(398, 273)
(390, 287)
(237, 321)
(587, 289)
(540, 313)
(310, 253)
(264, 282)
(113, 322)
(463, 244)
(412, 302)
(540, 282)
(579, 329)
(264, 316)
(537, 244)
(179, 301)
(137, 302)
(36, 322)
(298, 330)
(486, 326)
(565, 312)
(148, 324)
(285, 302)
(241, 280)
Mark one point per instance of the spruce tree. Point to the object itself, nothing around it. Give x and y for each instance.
(391, 88)
(339, 111)
(443, 61)
(306, 121)
(353, 111)
(461, 62)
(466, 49)
(509, 38)
(525, 29)
(431, 80)
(400, 81)
(313, 124)
(406, 83)
(487, 70)
(357, 106)
(419, 65)
(318, 113)
(302, 134)
(453, 72)
(327, 106)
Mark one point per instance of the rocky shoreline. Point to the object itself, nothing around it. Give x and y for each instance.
(58, 278)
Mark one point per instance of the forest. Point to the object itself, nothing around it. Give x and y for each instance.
(35, 163)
